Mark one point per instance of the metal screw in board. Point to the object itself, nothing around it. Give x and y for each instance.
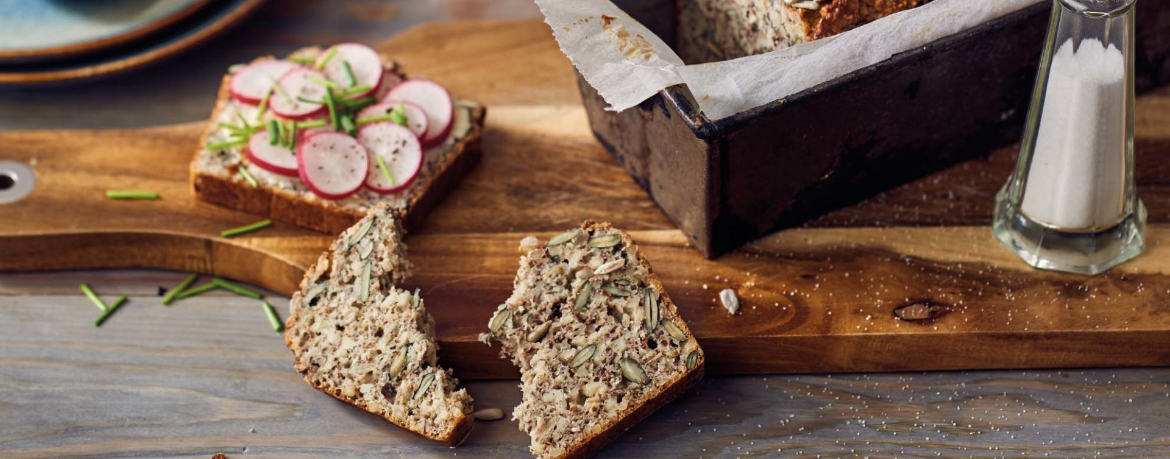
(16, 181)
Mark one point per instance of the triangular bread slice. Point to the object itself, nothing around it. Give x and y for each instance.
(360, 339)
(599, 343)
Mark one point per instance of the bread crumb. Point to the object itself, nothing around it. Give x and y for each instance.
(730, 301)
(219, 456)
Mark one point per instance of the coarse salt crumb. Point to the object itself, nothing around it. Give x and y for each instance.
(730, 301)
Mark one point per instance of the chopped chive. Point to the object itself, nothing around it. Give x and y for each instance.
(235, 288)
(273, 131)
(247, 127)
(279, 89)
(310, 101)
(322, 81)
(231, 127)
(273, 318)
(358, 104)
(385, 170)
(227, 144)
(398, 114)
(325, 61)
(347, 125)
(374, 119)
(303, 60)
(348, 73)
(179, 289)
(93, 297)
(246, 229)
(310, 124)
(263, 105)
(292, 135)
(131, 194)
(248, 177)
(113, 307)
(332, 103)
(195, 291)
(354, 90)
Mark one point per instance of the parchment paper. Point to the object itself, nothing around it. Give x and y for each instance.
(628, 64)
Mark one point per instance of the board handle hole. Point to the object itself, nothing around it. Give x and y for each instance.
(16, 181)
(7, 180)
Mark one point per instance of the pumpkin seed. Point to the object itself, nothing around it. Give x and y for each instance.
(616, 291)
(499, 320)
(424, 385)
(362, 231)
(366, 248)
(313, 292)
(653, 312)
(583, 297)
(633, 372)
(610, 267)
(583, 355)
(673, 331)
(365, 285)
(563, 237)
(602, 241)
(489, 414)
(399, 363)
(539, 332)
(692, 360)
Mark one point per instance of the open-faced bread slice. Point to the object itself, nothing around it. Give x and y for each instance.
(360, 339)
(598, 341)
(216, 176)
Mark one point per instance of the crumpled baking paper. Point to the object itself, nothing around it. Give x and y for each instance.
(628, 64)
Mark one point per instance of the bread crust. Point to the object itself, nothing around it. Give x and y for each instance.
(326, 216)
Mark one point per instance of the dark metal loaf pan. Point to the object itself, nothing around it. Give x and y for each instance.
(725, 183)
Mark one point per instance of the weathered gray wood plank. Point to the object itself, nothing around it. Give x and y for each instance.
(198, 377)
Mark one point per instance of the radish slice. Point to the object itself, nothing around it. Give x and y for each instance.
(277, 159)
(333, 165)
(365, 63)
(434, 100)
(398, 148)
(251, 83)
(297, 84)
(389, 80)
(416, 118)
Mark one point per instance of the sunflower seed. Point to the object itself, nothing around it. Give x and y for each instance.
(602, 241)
(539, 332)
(730, 300)
(633, 372)
(414, 301)
(583, 297)
(399, 363)
(313, 292)
(653, 312)
(609, 267)
(424, 385)
(563, 237)
(366, 248)
(362, 231)
(499, 320)
(617, 291)
(365, 285)
(489, 414)
(692, 360)
(583, 355)
(673, 331)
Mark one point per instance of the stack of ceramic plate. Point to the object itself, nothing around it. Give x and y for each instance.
(58, 40)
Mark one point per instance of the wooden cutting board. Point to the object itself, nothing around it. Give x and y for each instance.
(825, 298)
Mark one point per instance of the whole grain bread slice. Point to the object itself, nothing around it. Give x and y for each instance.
(215, 175)
(599, 343)
(357, 337)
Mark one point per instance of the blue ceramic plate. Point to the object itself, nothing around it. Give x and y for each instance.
(190, 29)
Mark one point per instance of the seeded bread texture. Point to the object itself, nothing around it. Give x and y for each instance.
(357, 337)
(599, 343)
(215, 176)
(716, 30)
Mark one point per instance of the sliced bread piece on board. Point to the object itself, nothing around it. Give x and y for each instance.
(599, 344)
(360, 339)
(216, 176)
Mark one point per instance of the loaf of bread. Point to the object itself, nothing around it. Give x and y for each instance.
(599, 344)
(716, 30)
(357, 337)
(215, 176)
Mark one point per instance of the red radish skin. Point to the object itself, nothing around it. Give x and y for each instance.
(277, 159)
(364, 61)
(297, 84)
(333, 165)
(251, 83)
(389, 80)
(434, 100)
(398, 148)
(416, 117)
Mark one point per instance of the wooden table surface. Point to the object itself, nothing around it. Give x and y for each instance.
(66, 391)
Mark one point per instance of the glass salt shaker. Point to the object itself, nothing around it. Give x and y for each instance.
(1071, 204)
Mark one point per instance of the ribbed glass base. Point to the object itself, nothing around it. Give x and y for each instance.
(1069, 251)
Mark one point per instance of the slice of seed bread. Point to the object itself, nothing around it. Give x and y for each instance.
(215, 176)
(599, 344)
(360, 339)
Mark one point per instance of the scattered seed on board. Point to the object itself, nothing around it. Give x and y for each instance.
(730, 301)
(489, 414)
